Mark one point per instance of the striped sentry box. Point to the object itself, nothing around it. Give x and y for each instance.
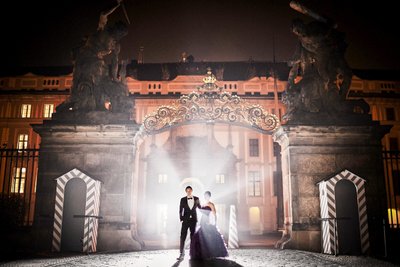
(328, 211)
(91, 209)
(233, 240)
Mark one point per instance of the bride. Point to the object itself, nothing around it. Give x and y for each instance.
(207, 241)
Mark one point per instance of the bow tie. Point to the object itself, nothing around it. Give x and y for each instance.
(189, 198)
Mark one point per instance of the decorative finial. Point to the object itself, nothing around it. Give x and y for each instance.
(210, 82)
(210, 78)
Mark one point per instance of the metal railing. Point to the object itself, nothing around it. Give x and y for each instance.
(391, 162)
(18, 177)
(391, 224)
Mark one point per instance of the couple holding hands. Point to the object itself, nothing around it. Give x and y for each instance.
(206, 242)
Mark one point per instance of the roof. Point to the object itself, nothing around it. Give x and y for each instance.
(40, 71)
(228, 71)
(377, 75)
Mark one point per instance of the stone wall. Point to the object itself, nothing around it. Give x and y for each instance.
(105, 153)
(313, 153)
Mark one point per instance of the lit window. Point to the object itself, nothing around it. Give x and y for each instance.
(220, 178)
(35, 183)
(48, 110)
(162, 178)
(254, 184)
(18, 181)
(107, 105)
(393, 218)
(26, 110)
(253, 148)
(22, 141)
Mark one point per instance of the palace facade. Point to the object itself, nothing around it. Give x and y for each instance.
(240, 166)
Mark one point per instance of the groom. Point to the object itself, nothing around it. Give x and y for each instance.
(188, 217)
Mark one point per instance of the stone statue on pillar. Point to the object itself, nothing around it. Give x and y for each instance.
(320, 77)
(92, 131)
(325, 134)
(97, 88)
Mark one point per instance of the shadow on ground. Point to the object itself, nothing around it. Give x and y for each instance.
(210, 263)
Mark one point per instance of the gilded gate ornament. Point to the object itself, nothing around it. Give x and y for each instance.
(211, 105)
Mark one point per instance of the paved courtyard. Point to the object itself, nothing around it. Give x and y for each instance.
(237, 258)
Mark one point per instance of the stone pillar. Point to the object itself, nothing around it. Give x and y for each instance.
(104, 152)
(313, 153)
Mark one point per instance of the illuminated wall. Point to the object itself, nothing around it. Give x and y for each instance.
(255, 192)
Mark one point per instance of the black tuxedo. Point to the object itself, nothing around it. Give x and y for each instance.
(187, 214)
(188, 217)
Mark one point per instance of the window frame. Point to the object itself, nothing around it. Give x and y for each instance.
(18, 180)
(22, 143)
(47, 113)
(254, 147)
(254, 184)
(162, 178)
(220, 178)
(26, 111)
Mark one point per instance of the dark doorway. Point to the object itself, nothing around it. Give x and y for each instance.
(74, 204)
(347, 218)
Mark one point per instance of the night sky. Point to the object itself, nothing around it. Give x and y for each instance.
(219, 30)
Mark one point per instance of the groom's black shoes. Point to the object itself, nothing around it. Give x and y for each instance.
(181, 257)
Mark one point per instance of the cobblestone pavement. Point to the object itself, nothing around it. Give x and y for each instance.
(237, 258)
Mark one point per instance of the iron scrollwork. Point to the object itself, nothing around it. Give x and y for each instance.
(210, 104)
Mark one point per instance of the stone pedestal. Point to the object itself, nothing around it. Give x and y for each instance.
(313, 153)
(104, 152)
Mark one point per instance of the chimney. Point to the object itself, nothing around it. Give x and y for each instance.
(141, 55)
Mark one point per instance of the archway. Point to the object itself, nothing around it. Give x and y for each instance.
(348, 223)
(74, 203)
(192, 140)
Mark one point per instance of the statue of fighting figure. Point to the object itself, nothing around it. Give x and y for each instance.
(320, 77)
(97, 85)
